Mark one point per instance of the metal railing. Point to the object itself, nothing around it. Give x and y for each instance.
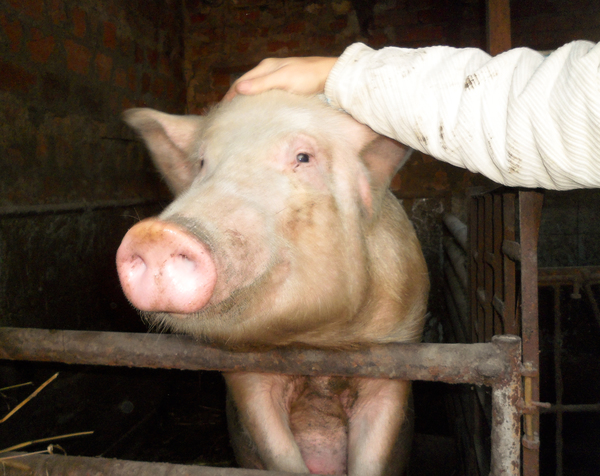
(496, 364)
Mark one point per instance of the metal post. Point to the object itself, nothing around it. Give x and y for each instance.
(530, 212)
(506, 424)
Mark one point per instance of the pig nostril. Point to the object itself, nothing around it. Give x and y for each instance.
(188, 263)
(138, 261)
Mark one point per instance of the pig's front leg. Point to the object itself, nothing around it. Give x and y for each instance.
(380, 433)
(259, 422)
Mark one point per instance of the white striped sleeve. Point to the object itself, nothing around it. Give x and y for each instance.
(518, 118)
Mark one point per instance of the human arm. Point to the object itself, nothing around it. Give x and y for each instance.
(517, 118)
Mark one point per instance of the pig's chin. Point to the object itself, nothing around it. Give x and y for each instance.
(219, 322)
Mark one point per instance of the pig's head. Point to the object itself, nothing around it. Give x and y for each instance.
(279, 202)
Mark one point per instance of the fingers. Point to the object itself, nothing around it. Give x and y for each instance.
(257, 80)
(274, 79)
(305, 76)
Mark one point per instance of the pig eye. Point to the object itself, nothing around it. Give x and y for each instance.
(303, 157)
(202, 163)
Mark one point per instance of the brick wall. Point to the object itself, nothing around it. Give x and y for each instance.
(67, 70)
(227, 39)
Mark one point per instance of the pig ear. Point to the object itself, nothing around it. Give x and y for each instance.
(169, 139)
(383, 157)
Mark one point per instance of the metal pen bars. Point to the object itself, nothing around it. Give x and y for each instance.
(500, 297)
(496, 364)
(578, 280)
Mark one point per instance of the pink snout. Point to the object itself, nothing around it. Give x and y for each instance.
(164, 268)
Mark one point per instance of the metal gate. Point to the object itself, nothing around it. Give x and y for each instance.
(572, 284)
(492, 290)
(493, 283)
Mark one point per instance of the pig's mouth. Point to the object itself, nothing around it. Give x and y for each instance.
(219, 321)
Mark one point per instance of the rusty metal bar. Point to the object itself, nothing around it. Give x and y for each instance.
(473, 305)
(498, 284)
(496, 247)
(558, 379)
(511, 324)
(494, 364)
(530, 211)
(568, 275)
(488, 273)
(478, 298)
(48, 209)
(458, 229)
(583, 407)
(506, 424)
(481, 310)
(452, 363)
(58, 465)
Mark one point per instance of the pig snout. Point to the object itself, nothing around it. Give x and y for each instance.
(163, 268)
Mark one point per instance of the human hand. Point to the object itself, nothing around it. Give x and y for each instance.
(304, 76)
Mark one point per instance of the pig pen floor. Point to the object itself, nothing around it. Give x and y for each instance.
(168, 416)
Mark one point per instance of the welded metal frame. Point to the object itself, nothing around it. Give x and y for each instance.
(504, 228)
(496, 364)
(501, 251)
(581, 280)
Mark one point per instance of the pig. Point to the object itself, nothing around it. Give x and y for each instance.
(284, 232)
